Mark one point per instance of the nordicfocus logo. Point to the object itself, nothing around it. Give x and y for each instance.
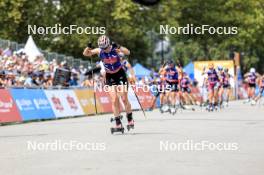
(203, 145)
(190, 29)
(57, 29)
(59, 145)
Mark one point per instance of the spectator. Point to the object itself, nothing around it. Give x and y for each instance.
(74, 80)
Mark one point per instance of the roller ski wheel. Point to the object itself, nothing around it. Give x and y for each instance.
(119, 126)
(114, 130)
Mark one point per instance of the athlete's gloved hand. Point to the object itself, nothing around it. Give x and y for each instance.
(115, 45)
(120, 54)
(89, 45)
(132, 80)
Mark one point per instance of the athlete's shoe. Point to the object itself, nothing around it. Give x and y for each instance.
(165, 108)
(131, 123)
(118, 123)
(173, 110)
(253, 102)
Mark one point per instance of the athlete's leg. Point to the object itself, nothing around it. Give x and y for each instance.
(115, 100)
(229, 93)
(220, 95)
(172, 98)
(124, 95)
(249, 92)
(210, 95)
(215, 95)
(253, 92)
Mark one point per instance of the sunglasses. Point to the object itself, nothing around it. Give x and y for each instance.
(105, 48)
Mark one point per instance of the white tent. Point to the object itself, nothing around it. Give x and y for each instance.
(31, 49)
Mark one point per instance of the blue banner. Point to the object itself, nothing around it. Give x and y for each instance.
(32, 104)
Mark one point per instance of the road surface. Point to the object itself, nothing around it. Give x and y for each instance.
(160, 144)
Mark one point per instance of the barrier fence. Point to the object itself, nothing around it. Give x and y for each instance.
(19, 105)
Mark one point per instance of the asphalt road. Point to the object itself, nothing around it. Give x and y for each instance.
(228, 142)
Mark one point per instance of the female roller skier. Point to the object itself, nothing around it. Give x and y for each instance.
(251, 78)
(212, 80)
(172, 80)
(115, 77)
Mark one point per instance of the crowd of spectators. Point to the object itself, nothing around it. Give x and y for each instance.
(17, 71)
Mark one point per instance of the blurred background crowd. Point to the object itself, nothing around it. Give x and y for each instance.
(17, 71)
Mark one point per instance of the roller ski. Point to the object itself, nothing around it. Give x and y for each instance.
(130, 122)
(119, 126)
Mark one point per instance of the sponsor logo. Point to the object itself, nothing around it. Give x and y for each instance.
(6, 106)
(57, 103)
(25, 104)
(41, 103)
(71, 102)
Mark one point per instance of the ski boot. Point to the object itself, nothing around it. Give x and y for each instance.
(210, 107)
(253, 103)
(119, 127)
(130, 122)
(173, 110)
(215, 107)
(164, 108)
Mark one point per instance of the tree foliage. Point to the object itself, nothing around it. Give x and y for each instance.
(128, 23)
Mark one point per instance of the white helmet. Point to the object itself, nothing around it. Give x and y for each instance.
(103, 42)
(252, 70)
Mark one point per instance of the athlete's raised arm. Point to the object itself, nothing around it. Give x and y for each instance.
(123, 50)
(88, 52)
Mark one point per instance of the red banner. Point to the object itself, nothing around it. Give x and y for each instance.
(103, 102)
(145, 97)
(8, 108)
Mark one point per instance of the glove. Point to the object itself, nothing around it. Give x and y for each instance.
(89, 45)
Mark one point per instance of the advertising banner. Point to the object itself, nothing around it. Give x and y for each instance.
(103, 102)
(32, 104)
(86, 99)
(145, 97)
(64, 103)
(8, 108)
